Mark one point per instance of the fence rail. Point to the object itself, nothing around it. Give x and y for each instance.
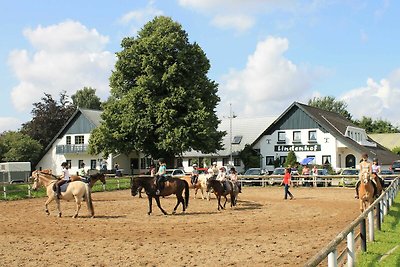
(381, 205)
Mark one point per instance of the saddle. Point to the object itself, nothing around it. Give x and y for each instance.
(63, 187)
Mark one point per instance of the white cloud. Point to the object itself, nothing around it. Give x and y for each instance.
(378, 100)
(269, 82)
(9, 123)
(66, 57)
(240, 23)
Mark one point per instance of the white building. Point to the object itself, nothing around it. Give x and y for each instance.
(326, 136)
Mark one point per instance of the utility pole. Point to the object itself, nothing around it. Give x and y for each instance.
(231, 116)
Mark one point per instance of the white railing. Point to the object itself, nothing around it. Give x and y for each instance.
(381, 205)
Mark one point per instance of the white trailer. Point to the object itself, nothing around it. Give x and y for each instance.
(15, 172)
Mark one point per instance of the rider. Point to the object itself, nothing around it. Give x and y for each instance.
(64, 178)
(215, 169)
(376, 168)
(160, 176)
(82, 171)
(234, 178)
(195, 175)
(222, 177)
(365, 167)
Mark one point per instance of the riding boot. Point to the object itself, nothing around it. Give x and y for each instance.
(357, 185)
(375, 190)
(240, 188)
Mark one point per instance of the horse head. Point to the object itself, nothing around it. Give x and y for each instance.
(100, 176)
(365, 177)
(134, 186)
(36, 180)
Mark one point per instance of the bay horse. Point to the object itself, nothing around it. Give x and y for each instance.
(77, 190)
(365, 191)
(172, 186)
(220, 192)
(378, 182)
(91, 179)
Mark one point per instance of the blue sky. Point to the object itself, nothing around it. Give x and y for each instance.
(264, 54)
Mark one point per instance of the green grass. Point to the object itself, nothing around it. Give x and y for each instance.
(386, 240)
(20, 191)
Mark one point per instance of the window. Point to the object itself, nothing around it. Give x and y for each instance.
(312, 136)
(79, 139)
(179, 162)
(213, 160)
(296, 136)
(236, 162)
(281, 137)
(225, 161)
(311, 156)
(237, 139)
(190, 162)
(134, 163)
(68, 140)
(80, 163)
(282, 160)
(93, 164)
(326, 160)
(68, 163)
(269, 160)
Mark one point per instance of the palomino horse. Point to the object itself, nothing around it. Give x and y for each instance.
(219, 191)
(77, 190)
(365, 191)
(172, 186)
(200, 185)
(91, 180)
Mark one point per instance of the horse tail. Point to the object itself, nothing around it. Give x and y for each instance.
(186, 193)
(89, 200)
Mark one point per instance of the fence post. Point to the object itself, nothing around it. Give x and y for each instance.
(363, 235)
(332, 258)
(104, 187)
(371, 225)
(118, 184)
(4, 192)
(385, 209)
(350, 249)
(29, 190)
(378, 216)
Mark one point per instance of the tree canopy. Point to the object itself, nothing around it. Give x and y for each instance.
(48, 117)
(86, 98)
(376, 126)
(16, 146)
(162, 102)
(330, 103)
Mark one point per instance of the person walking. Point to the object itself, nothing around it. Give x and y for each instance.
(287, 180)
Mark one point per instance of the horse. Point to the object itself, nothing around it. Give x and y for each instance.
(378, 183)
(172, 186)
(200, 185)
(77, 190)
(219, 191)
(366, 191)
(91, 180)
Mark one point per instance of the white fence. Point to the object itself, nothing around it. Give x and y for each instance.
(381, 207)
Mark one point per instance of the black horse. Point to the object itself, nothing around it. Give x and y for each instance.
(172, 186)
(220, 191)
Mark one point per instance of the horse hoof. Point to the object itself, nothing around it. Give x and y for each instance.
(59, 215)
(174, 212)
(76, 215)
(149, 213)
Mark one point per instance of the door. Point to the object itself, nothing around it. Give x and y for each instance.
(350, 161)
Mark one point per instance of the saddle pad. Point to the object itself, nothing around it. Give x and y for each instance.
(63, 187)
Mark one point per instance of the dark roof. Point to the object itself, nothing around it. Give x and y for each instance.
(336, 125)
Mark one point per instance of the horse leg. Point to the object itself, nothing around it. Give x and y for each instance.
(180, 199)
(150, 204)
(219, 202)
(46, 205)
(195, 192)
(58, 207)
(159, 205)
(226, 200)
(78, 206)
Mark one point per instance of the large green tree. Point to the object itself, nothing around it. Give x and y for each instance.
(48, 117)
(86, 98)
(16, 146)
(162, 103)
(330, 103)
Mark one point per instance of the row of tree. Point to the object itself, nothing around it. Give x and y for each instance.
(161, 103)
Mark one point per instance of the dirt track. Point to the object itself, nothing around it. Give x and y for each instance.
(263, 230)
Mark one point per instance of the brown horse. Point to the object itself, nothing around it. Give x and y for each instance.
(76, 190)
(378, 183)
(172, 186)
(366, 191)
(220, 192)
(91, 180)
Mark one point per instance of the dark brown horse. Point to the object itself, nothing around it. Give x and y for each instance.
(91, 179)
(220, 192)
(172, 186)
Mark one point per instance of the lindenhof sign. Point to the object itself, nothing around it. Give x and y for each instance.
(297, 148)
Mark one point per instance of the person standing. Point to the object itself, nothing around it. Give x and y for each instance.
(287, 180)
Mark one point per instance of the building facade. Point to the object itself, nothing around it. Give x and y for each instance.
(326, 137)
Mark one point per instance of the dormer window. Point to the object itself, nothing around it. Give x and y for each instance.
(237, 139)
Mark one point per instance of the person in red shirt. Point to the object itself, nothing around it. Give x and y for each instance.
(287, 180)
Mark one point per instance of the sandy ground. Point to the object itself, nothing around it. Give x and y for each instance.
(263, 230)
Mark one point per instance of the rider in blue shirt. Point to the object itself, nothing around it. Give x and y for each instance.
(160, 176)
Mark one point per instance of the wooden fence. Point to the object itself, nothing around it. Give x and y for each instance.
(381, 207)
